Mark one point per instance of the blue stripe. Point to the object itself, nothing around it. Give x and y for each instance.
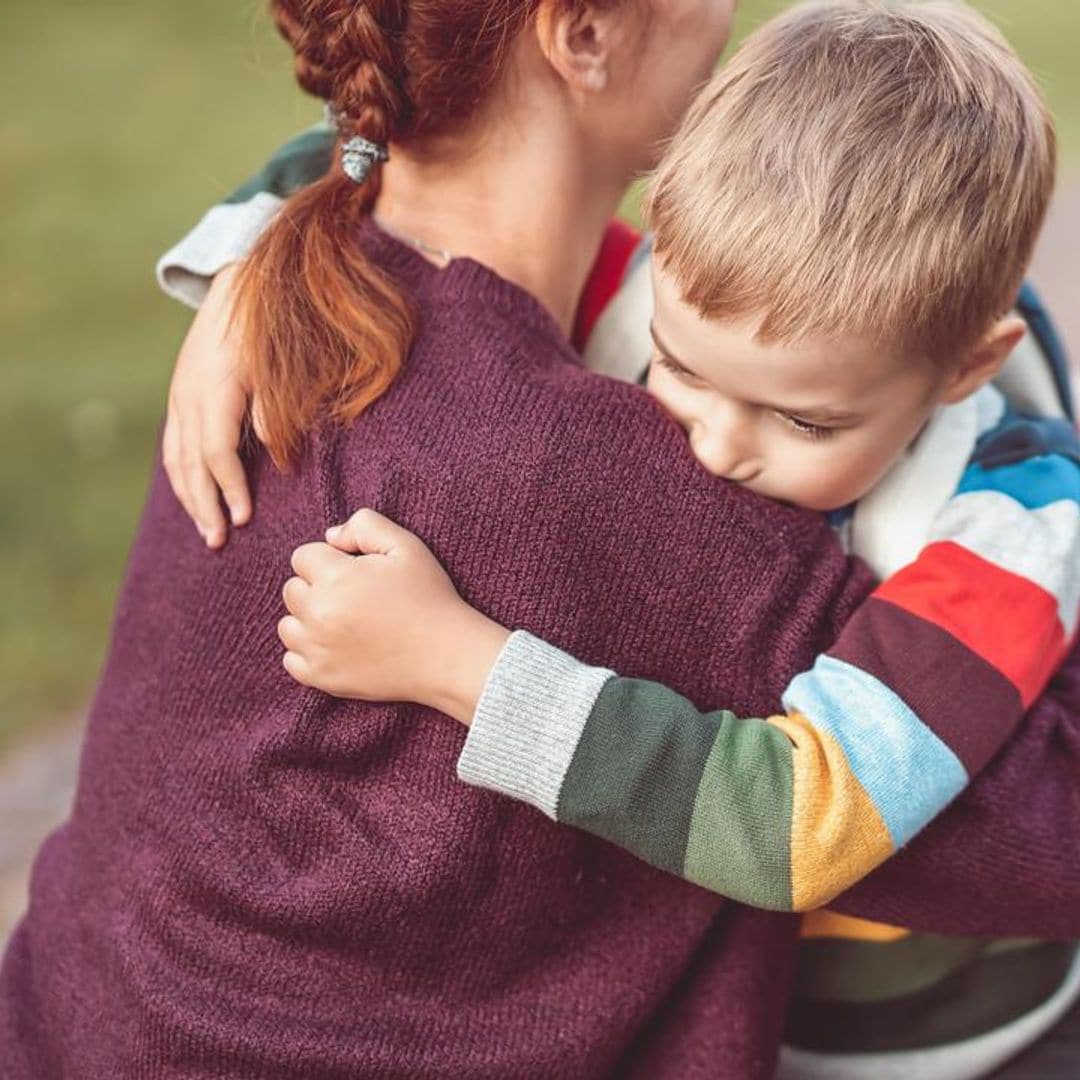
(908, 772)
(1034, 483)
(1017, 438)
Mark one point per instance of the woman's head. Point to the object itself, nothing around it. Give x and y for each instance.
(406, 70)
(427, 78)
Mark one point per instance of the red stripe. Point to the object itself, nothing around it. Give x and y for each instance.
(619, 243)
(966, 702)
(1009, 621)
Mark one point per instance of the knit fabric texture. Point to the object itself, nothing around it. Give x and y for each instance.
(258, 880)
(926, 683)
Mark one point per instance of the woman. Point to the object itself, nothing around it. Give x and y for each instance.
(259, 881)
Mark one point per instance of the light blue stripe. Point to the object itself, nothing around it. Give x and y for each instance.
(1034, 483)
(908, 772)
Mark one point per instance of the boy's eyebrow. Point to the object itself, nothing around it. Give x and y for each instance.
(665, 350)
(820, 413)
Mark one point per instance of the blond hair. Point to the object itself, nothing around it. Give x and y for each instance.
(860, 167)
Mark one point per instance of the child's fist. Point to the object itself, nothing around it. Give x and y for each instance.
(373, 615)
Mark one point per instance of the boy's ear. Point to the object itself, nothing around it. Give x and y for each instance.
(985, 360)
(576, 41)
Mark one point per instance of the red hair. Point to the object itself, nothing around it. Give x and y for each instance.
(326, 330)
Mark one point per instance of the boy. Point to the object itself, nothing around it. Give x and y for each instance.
(830, 288)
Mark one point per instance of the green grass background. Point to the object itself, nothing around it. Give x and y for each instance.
(121, 122)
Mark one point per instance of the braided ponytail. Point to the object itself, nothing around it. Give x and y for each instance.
(326, 330)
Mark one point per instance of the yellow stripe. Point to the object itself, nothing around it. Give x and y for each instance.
(837, 834)
(831, 924)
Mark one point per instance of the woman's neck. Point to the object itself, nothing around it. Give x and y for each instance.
(531, 209)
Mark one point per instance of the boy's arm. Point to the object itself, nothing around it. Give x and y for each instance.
(209, 395)
(228, 231)
(927, 681)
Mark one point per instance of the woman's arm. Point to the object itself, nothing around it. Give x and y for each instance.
(926, 682)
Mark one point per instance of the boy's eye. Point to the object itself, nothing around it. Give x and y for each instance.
(676, 369)
(804, 427)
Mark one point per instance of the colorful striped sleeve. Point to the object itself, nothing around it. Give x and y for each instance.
(928, 679)
(227, 232)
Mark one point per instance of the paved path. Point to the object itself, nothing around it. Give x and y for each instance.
(36, 785)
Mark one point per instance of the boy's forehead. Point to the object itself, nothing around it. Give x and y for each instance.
(726, 351)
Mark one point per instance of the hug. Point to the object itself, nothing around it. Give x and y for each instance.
(675, 676)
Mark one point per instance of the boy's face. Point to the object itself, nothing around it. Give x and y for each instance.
(814, 423)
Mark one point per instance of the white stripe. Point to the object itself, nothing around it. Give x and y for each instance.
(965, 1060)
(620, 344)
(529, 722)
(989, 408)
(1042, 545)
(891, 522)
(226, 234)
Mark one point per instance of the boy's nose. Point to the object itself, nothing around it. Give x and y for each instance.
(725, 449)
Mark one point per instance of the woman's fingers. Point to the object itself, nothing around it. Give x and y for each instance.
(367, 532)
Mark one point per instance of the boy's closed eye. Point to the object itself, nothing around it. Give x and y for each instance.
(802, 426)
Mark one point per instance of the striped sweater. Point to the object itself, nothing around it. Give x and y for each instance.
(925, 683)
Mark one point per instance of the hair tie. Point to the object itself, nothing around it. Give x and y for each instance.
(359, 156)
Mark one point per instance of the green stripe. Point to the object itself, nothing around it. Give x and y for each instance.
(300, 162)
(988, 992)
(740, 833)
(636, 769)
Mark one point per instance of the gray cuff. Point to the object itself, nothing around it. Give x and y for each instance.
(226, 234)
(529, 721)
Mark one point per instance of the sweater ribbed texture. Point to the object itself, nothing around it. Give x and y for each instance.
(529, 720)
(258, 880)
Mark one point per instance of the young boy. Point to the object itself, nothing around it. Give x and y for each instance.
(841, 227)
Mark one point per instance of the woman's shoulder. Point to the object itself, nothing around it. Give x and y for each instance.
(522, 393)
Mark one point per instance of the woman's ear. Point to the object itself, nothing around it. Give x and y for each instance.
(985, 360)
(577, 42)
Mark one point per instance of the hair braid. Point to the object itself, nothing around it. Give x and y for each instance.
(327, 330)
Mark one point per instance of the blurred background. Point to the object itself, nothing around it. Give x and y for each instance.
(121, 123)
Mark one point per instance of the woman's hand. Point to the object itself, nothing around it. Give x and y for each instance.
(208, 403)
(373, 615)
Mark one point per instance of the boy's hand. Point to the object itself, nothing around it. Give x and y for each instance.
(373, 615)
(208, 403)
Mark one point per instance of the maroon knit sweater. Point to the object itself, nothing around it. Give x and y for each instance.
(258, 880)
